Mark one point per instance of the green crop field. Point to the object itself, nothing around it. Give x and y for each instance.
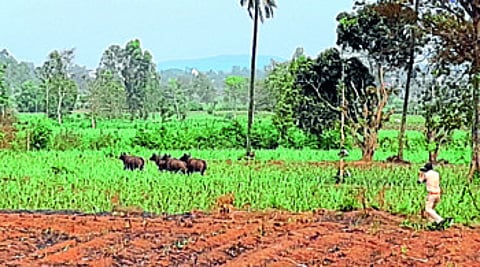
(79, 169)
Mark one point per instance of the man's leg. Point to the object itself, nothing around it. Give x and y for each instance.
(432, 200)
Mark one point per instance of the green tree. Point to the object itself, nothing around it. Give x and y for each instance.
(281, 82)
(308, 96)
(4, 91)
(154, 96)
(319, 107)
(175, 95)
(203, 89)
(258, 10)
(455, 30)
(136, 73)
(444, 105)
(134, 67)
(60, 90)
(30, 97)
(16, 73)
(106, 96)
(385, 31)
(264, 98)
(166, 106)
(234, 90)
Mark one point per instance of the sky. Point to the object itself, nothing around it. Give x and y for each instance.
(171, 30)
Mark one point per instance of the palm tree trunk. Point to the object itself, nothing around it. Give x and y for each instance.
(475, 163)
(411, 61)
(252, 77)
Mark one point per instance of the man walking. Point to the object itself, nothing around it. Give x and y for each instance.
(431, 178)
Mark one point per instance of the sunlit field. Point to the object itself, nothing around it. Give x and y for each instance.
(71, 174)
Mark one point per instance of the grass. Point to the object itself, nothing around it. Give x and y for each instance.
(87, 180)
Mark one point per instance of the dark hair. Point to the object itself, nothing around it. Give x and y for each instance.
(427, 167)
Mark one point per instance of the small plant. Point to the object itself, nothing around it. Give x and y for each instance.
(67, 140)
(41, 134)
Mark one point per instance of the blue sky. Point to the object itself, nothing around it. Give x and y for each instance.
(179, 29)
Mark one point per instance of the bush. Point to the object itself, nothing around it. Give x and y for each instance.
(105, 140)
(40, 134)
(67, 140)
(147, 138)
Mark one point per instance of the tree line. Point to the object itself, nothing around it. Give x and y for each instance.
(126, 81)
(384, 49)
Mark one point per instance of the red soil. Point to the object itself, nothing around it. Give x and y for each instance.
(231, 238)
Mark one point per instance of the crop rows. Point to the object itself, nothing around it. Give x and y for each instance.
(93, 182)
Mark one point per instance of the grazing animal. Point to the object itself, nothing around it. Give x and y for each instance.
(132, 162)
(174, 165)
(193, 164)
(159, 161)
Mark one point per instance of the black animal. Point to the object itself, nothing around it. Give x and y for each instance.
(132, 162)
(193, 164)
(159, 161)
(173, 164)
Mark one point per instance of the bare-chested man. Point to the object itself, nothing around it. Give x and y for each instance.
(432, 180)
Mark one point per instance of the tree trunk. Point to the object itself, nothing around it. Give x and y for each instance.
(175, 104)
(475, 163)
(94, 122)
(367, 154)
(433, 155)
(28, 140)
(59, 107)
(252, 77)
(46, 107)
(234, 108)
(411, 61)
(431, 136)
(369, 146)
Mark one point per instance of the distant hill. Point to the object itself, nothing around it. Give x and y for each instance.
(218, 63)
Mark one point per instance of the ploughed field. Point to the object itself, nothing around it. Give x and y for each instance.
(231, 238)
(255, 213)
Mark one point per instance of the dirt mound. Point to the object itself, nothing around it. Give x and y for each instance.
(238, 238)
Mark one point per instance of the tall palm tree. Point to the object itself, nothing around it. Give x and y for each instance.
(258, 10)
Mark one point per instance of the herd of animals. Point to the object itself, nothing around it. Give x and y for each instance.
(186, 164)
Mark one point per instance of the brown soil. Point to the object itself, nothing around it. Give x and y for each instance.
(236, 238)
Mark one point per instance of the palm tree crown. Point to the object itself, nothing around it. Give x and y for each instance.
(265, 8)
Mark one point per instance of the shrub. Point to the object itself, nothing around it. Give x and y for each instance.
(40, 134)
(67, 140)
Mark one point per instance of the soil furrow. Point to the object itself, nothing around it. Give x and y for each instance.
(239, 238)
